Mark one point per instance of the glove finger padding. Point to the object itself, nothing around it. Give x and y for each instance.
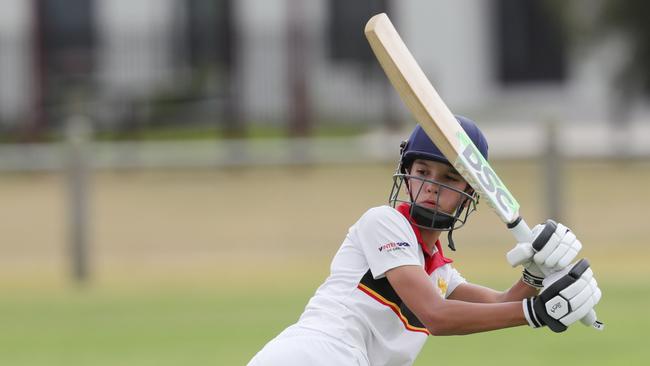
(556, 246)
(583, 309)
(573, 247)
(533, 273)
(560, 251)
(574, 289)
(543, 238)
(569, 296)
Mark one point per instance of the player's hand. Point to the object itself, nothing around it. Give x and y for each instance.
(569, 296)
(554, 248)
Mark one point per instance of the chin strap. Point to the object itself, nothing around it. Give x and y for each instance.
(450, 240)
(436, 221)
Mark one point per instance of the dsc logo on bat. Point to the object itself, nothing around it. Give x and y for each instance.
(471, 161)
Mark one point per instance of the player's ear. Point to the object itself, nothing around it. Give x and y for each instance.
(407, 171)
(407, 168)
(470, 191)
(407, 186)
(466, 202)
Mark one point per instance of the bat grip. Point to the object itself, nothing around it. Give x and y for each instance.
(523, 251)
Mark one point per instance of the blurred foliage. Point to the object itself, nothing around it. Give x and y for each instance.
(631, 17)
(588, 22)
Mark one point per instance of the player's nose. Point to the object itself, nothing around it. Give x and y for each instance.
(431, 187)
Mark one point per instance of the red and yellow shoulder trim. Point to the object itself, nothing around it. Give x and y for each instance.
(394, 307)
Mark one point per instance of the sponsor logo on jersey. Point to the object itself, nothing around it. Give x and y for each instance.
(389, 247)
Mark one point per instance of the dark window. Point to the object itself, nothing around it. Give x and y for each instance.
(531, 43)
(210, 32)
(67, 35)
(346, 22)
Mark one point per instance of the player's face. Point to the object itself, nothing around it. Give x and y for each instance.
(436, 195)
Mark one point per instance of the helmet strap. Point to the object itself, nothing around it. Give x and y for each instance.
(450, 239)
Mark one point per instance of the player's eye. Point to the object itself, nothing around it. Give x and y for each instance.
(453, 178)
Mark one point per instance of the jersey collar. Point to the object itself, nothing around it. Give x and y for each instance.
(431, 260)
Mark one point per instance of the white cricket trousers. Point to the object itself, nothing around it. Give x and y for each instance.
(305, 347)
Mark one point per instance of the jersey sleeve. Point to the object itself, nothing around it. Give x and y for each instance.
(455, 279)
(387, 240)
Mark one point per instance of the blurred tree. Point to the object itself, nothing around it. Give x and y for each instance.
(632, 82)
(36, 120)
(631, 17)
(62, 46)
(299, 111)
(212, 53)
(593, 21)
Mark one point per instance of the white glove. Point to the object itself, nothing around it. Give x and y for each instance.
(554, 248)
(568, 296)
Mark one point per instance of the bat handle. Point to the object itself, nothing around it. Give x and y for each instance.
(524, 250)
(590, 320)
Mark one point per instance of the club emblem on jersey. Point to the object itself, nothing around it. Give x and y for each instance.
(442, 286)
(389, 247)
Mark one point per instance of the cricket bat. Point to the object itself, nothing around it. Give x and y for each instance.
(441, 126)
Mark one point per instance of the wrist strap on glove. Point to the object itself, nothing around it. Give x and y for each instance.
(553, 307)
(529, 313)
(532, 280)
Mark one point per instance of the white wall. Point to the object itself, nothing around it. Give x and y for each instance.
(15, 58)
(135, 48)
(262, 57)
(452, 40)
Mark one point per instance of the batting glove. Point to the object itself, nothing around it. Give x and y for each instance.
(569, 296)
(554, 247)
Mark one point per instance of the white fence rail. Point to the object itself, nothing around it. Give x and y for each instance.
(506, 141)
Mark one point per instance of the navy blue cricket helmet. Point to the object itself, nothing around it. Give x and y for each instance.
(420, 146)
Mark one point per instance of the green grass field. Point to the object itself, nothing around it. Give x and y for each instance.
(177, 326)
(204, 267)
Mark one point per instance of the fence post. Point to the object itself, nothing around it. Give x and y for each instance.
(553, 173)
(78, 135)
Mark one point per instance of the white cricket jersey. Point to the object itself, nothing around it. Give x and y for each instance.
(356, 304)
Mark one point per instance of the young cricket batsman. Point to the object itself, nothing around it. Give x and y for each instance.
(391, 286)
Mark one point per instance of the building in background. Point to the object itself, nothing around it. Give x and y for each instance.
(233, 64)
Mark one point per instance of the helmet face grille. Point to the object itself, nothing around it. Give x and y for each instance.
(420, 146)
(432, 218)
